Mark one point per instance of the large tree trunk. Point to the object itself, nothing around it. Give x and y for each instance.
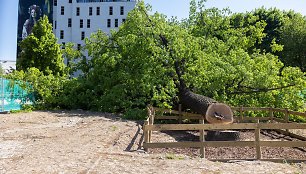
(213, 111)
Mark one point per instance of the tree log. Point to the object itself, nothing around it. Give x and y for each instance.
(213, 111)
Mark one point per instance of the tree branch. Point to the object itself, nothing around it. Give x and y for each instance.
(258, 90)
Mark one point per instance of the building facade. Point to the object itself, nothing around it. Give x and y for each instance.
(74, 20)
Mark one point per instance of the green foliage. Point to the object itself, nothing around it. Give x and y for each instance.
(135, 114)
(27, 108)
(221, 56)
(171, 156)
(293, 37)
(131, 68)
(41, 50)
(71, 56)
(286, 31)
(47, 88)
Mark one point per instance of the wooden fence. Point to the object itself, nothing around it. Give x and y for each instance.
(282, 125)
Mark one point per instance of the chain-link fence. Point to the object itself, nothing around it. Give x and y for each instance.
(13, 96)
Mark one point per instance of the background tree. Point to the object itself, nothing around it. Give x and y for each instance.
(284, 35)
(41, 50)
(293, 38)
(233, 70)
(2, 71)
(132, 67)
(71, 56)
(217, 55)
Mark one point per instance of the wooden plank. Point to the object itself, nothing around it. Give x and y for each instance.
(257, 144)
(169, 111)
(271, 114)
(160, 127)
(186, 114)
(280, 120)
(241, 114)
(235, 108)
(297, 113)
(200, 144)
(255, 109)
(166, 117)
(202, 139)
(283, 143)
(287, 120)
(282, 125)
(180, 114)
(250, 108)
(146, 134)
(177, 117)
(279, 110)
(166, 110)
(151, 121)
(256, 118)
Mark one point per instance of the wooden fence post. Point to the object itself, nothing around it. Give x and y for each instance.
(287, 119)
(180, 114)
(271, 113)
(202, 139)
(257, 142)
(241, 113)
(151, 114)
(146, 134)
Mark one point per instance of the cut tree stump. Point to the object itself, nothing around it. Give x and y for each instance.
(228, 135)
(219, 113)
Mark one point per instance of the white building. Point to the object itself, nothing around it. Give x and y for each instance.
(7, 66)
(74, 20)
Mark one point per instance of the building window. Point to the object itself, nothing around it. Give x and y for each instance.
(69, 22)
(116, 22)
(123, 20)
(78, 11)
(55, 3)
(82, 35)
(63, 45)
(79, 46)
(55, 24)
(88, 23)
(62, 34)
(109, 23)
(90, 11)
(122, 10)
(110, 10)
(70, 1)
(81, 23)
(62, 10)
(98, 11)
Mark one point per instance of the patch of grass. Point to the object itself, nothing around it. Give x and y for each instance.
(114, 128)
(24, 109)
(174, 157)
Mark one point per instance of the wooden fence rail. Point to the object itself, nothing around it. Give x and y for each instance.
(283, 124)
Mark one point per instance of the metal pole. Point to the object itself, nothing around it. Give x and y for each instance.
(2, 94)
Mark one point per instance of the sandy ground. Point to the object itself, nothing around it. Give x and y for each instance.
(87, 142)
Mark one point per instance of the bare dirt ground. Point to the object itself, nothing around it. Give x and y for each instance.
(88, 142)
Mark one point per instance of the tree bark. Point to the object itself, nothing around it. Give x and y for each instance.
(213, 111)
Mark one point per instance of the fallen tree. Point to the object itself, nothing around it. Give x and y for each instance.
(213, 111)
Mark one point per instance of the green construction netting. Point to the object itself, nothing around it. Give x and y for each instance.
(13, 96)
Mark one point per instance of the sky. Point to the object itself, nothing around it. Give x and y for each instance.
(178, 8)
